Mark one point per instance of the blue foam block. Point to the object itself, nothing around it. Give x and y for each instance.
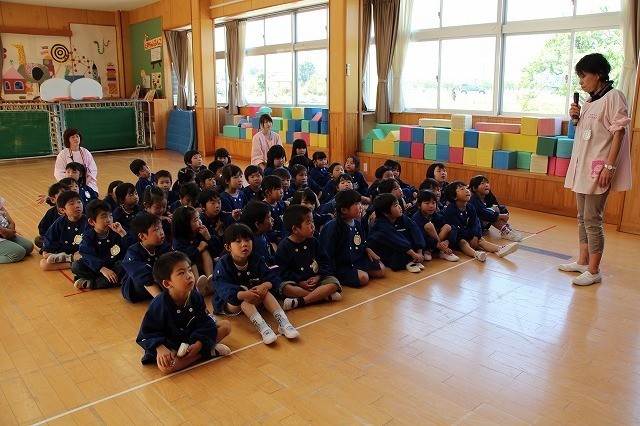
(442, 153)
(417, 134)
(290, 137)
(255, 122)
(295, 125)
(324, 127)
(564, 147)
(325, 114)
(310, 112)
(404, 149)
(505, 160)
(243, 133)
(471, 138)
(314, 127)
(571, 130)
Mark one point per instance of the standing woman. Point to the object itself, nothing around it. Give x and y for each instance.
(74, 152)
(600, 161)
(263, 140)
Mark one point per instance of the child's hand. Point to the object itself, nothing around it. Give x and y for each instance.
(249, 296)
(193, 350)
(474, 242)
(220, 228)
(109, 274)
(166, 218)
(117, 227)
(41, 198)
(204, 232)
(305, 285)
(236, 214)
(372, 255)
(443, 245)
(165, 357)
(260, 290)
(418, 258)
(203, 246)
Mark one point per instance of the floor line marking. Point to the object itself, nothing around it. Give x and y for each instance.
(66, 276)
(151, 382)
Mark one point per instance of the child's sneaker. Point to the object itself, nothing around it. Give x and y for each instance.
(420, 265)
(60, 258)
(268, 336)
(480, 255)
(220, 350)
(203, 285)
(511, 235)
(82, 283)
(289, 331)
(334, 297)
(508, 249)
(449, 256)
(427, 256)
(413, 267)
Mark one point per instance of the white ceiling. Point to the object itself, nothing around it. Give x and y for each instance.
(106, 5)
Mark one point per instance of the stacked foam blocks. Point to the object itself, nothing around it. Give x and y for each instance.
(536, 144)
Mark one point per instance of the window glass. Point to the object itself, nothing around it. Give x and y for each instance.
(219, 38)
(467, 12)
(311, 25)
(221, 81)
(277, 30)
(254, 34)
(420, 75)
(585, 7)
(312, 77)
(425, 14)
(371, 83)
(523, 10)
(279, 79)
(254, 79)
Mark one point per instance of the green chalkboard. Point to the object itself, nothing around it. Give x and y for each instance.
(24, 134)
(104, 128)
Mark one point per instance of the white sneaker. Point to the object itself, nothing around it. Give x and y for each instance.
(512, 235)
(289, 331)
(508, 249)
(427, 256)
(220, 350)
(573, 267)
(450, 257)
(587, 278)
(268, 336)
(334, 297)
(81, 283)
(480, 255)
(413, 267)
(59, 258)
(421, 266)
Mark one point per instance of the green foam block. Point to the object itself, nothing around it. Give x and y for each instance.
(386, 128)
(231, 131)
(430, 152)
(523, 160)
(376, 134)
(546, 146)
(367, 145)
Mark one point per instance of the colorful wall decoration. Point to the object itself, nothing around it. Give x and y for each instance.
(95, 55)
(146, 55)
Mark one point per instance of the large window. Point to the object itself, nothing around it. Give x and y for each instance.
(501, 56)
(286, 60)
(222, 80)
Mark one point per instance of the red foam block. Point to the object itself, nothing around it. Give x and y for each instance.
(497, 127)
(456, 155)
(562, 165)
(405, 134)
(417, 150)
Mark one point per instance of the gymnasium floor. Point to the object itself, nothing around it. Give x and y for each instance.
(509, 341)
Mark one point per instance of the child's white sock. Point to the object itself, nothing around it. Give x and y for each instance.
(284, 326)
(268, 336)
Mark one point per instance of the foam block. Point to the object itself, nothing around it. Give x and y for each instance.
(417, 150)
(564, 147)
(325, 114)
(442, 153)
(231, 131)
(456, 155)
(396, 149)
(277, 124)
(504, 160)
(317, 117)
(313, 139)
(393, 136)
(484, 158)
(471, 138)
(442, 137)
(512, 142)
(324, 127)
(252, 110)
(430, 152)
(285, 124)
(547, 145)
(287, 112)
(470, 157)
(246, 125)
(243, 133)
(294, 125)
(386, 127)
(456, 139)
(248, 134)
(297, 113)
(383, 147)
(430, 136)
(405, 134)
(302, 135)
(323, 141)
(549, 126)
(309, 113)
(404, 149)
(304, 125)
(460, 122)
(489, 141)
(375, 134)
(434, 122)
(290, 137)
(255, 122)
(524, 160)
(571, 130)
(562, 166)
(254, 131)
(314, 127)
(529, 126)
(237, 118)
(551, 168)
(539, 164)
(497, 127)
(417, 135)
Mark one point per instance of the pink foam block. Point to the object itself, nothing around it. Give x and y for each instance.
(456, 155)
(317, 117)
(252, 110)
(562, 165)
(302, 135)
(549, 126)
(246, 125)
(417, 150)
(551, 169)
(497, 127)
(405, 134)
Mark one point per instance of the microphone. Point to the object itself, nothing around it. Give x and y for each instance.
(576, 100)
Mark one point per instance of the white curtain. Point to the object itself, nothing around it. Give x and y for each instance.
(402, 45)
(242, 53)
(630, 47)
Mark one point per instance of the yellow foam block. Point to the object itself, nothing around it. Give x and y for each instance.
(456, 139)
(460, 122)
(539, 164)
(393, 136)
(515, 142)
(284, 125)
(529, 126)
(281, 133)
(248, 134)
(434, 122)
(470, 156)
(489, 141)
(484, 158)
(323, 141)
(313, 139)
(383, 147)
(430, 136)
(297, 113)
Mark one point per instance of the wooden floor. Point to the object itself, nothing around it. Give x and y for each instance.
(509, 341)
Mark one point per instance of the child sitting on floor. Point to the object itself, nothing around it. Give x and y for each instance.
(52, 214)
(433, 226)
(490, 212)
(128, 204)
(145, 178)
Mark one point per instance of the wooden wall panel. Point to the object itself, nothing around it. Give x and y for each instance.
(145, 13)
(59, 18)
(97, 17)
(630, 218)
(1, 16)
(24, 15)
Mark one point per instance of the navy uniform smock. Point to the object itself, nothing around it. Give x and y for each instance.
(112, 203)
(228, 280)
(144, 183)
(250, 194)
(301, 261)
(87, 194)
(421, 220)
(345, 244)
(464, 223)
(212, 223)
(484, 209)
(360, 183)
(278, 230)
(104, 251)
(391, 241)
(230, 202)
(168, 324)
(172, 197)
(138, 265)
(288, 193)
(119, 215)
(320, 175)
(65, 236)
(189, 246)
(264, 249)
(48, 219)
(328, 191)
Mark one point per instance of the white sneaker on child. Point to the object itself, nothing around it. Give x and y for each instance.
(508, 249)
(334, 297)
(450, 257)
(268, 336)
(427, 256)
(288, 331)
(59, 258)
(220, 350)
(421, 266)
(511, 235)
(81, 283)
(480, 255)
(413, 267)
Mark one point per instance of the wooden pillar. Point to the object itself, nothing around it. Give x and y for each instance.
(630, 218)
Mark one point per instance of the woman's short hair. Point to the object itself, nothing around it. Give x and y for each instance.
(594, 63)
(67, 134)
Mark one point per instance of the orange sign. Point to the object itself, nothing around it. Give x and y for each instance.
(154, 42)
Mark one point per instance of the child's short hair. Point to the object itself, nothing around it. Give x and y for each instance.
(271, 182)
(222, 153)
(450, 190)
(181, 221)
(429, 183)
(152, 194)
(189, 155)
(137, 165)
(68, 181)
(282, 173)
(425, 195)
(393, 165)
(204, 175)
(294, 216)
(254, 212)
(113, 185)
(65, 197)
(208, 195)
(345, 199)
(229, 171)
(319, 155)
(432, 168)
(276, 151)
(93, 209)
(332, 166)
(164, 174)
(235, 231)
(297, 169)
(67, 135)
(386, 186)
(185, 175)
(298, 160)
(78, 167)
(380, 171)
(58, 187)
(141, 223)
(383, 203)
(343, 176)
(163, 267)
(216, 165)
(189, 189)
(476, 181)
(306, 194)
(123, 190)
(356, 160)
(252, 169)
(265, 118)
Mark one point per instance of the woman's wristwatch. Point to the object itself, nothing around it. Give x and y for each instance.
(610, 167)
